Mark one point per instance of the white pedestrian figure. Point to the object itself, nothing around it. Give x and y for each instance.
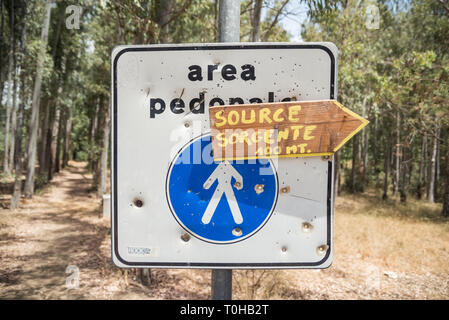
(224, 173)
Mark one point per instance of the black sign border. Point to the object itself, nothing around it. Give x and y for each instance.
(114, 200)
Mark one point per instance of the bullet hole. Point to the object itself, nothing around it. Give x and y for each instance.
(185, 237)
(138, 203)
(237, 232)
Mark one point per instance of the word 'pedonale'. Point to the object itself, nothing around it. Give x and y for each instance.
(197, 105)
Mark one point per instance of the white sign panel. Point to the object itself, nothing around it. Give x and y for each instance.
(172, 205)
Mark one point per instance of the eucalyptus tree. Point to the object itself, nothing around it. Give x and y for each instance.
(11, 87)
(396, 75)
(34, 120)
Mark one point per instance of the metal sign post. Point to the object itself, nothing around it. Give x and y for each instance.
(221, 286)
(229, 31)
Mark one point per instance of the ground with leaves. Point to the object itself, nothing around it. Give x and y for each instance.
(382, 250)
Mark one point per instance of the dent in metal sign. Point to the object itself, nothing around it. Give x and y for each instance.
(192, 211)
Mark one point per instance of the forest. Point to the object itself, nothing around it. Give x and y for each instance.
(55, 83)
(391, 179)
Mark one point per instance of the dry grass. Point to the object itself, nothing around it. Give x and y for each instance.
(382, 250)
(408, 238)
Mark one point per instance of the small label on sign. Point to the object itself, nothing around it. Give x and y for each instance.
(142, 251)
(289, 129)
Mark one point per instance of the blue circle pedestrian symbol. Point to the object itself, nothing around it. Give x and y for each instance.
(220, 202)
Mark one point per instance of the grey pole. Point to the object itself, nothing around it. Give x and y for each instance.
(228, 31)
(229, 21)
(222, 284)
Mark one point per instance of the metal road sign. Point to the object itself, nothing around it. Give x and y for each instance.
(222, 202)
(172, 204)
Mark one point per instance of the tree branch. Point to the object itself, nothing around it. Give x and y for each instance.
(445, 5)
(275, 20)
(177, 14)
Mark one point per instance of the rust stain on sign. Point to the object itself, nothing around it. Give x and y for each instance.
(286, 129)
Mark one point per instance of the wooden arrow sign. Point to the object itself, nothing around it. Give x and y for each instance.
(286, 129)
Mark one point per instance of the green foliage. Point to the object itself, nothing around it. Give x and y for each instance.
(270, 29)
(196, 25)
(400, 69)
(79, 134)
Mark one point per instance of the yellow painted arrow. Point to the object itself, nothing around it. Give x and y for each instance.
(286, 129)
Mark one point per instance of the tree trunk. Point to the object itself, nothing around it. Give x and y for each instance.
(255, 21)
(12, 148)
(34, 121)
(13, 121)
(404, 170)
(47, 156)
(97, 142)
(398, 153)
(6, 167)
(17, 190)
(365, 158)
(216, 20)
(2, 29)
(432, 170)
(44, 137)
(68, 129)
(92, 140)
(437, 164)
(445, 211)
(375, 148)
(421, 167)
(104, 154)
(54, 135)
(387, 160)
(410, 166)
(163, 13)
(336, 174)
(58, 147)
(355, 148)
(53, 141)
(46, 163)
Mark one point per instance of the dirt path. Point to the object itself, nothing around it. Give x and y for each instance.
(381, 251)
(61, 230)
